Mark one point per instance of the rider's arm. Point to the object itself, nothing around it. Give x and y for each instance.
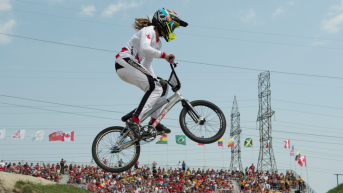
(146, 35)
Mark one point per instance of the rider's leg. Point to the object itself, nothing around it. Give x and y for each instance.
(160, 127)
(144, 81)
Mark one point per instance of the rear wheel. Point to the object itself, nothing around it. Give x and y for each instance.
(211, 130)
(105, 155)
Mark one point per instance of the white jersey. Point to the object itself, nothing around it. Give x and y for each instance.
(144, 45)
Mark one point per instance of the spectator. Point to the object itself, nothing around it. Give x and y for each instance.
(179, 165)
(62, 165)
(183, 166)
(136, 164)
(2, 163)
(154, 164)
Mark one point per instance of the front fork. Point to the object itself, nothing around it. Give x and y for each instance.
(193, 113)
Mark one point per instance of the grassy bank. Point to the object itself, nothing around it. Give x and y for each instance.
(338, 189)
(29, 187)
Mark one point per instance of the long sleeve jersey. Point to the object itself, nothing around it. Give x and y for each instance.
(144, 45)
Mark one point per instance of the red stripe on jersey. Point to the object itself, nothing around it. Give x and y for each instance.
(122, 50)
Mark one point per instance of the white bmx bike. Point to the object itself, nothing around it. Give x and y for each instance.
(201, 121)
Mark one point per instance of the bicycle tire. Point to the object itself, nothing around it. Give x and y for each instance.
(196, 138)
(101, 163)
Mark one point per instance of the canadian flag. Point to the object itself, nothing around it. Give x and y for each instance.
(302, 161)
(19, 134)
(69, 136)
(287, 145)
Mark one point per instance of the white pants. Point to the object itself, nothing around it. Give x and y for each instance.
(140, 77)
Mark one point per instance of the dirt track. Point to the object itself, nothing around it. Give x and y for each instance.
(7, 181)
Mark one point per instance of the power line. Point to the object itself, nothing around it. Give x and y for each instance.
(199, 26)
(192, 62)
(215, 37)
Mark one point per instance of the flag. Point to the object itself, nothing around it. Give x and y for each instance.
(163, 140)
(248, 142)
(231, 142)
(220, 142)
(19, 134)
(292, 151)
(297, 157)
(267, 146)
(302, 161)
(201, 143)
(2, 133)
(56, 136)
(287, 145)
(180, 139)
(39, 135)
(68, 136)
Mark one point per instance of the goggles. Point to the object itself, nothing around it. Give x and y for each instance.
(171, 26)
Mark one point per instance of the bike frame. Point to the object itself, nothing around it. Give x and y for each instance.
(172, 101)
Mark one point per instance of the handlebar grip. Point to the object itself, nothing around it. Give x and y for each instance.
(171, 57)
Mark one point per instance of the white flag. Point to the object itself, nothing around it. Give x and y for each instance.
(39, 135)
(69, 136)
(19, 134)
(2, 133)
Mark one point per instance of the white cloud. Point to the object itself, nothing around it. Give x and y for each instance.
(338, 7)
(88, 10)
(7, 29)
(318, 43)
(248, 15)
(277, 12)
(5, 5)
(334, 24)
(108, 12)
(291, 3)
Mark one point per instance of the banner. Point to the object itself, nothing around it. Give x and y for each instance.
(39, 135)
(68, 136)
(220, 142)
(231, 142)
(2, 133)
(163, 140)
(287, 144)
(248, 142)
(180, 139)
(19, 134)
(56, 136)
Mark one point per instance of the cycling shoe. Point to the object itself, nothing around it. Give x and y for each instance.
(134, 127)
(161, 129)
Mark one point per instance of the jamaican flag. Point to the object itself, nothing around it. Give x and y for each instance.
(248, 142)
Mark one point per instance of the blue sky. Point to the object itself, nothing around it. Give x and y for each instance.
(288, 36)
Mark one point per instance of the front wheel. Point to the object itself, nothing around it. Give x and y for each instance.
(106, 154)
(209, 131)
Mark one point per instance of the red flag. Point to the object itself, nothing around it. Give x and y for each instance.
(68, 136)
(267, 146)
(302, 161)
(201, 143)
(56, 136)
(287, 145)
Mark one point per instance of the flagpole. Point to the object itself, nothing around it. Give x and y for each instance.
(186, 153)
(223, 154)
(43, 150)
(204, 158)
(22, 156)
(290, 162)
(73, 150)
(252, 154)
(62, 151)
(308, 183)
(148, 153)
(3, 150)
(167, 152)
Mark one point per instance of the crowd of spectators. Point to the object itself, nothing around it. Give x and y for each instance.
(252, 181)
(160, 180)
(49, 171)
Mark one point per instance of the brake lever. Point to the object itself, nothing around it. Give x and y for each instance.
(175, 65)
